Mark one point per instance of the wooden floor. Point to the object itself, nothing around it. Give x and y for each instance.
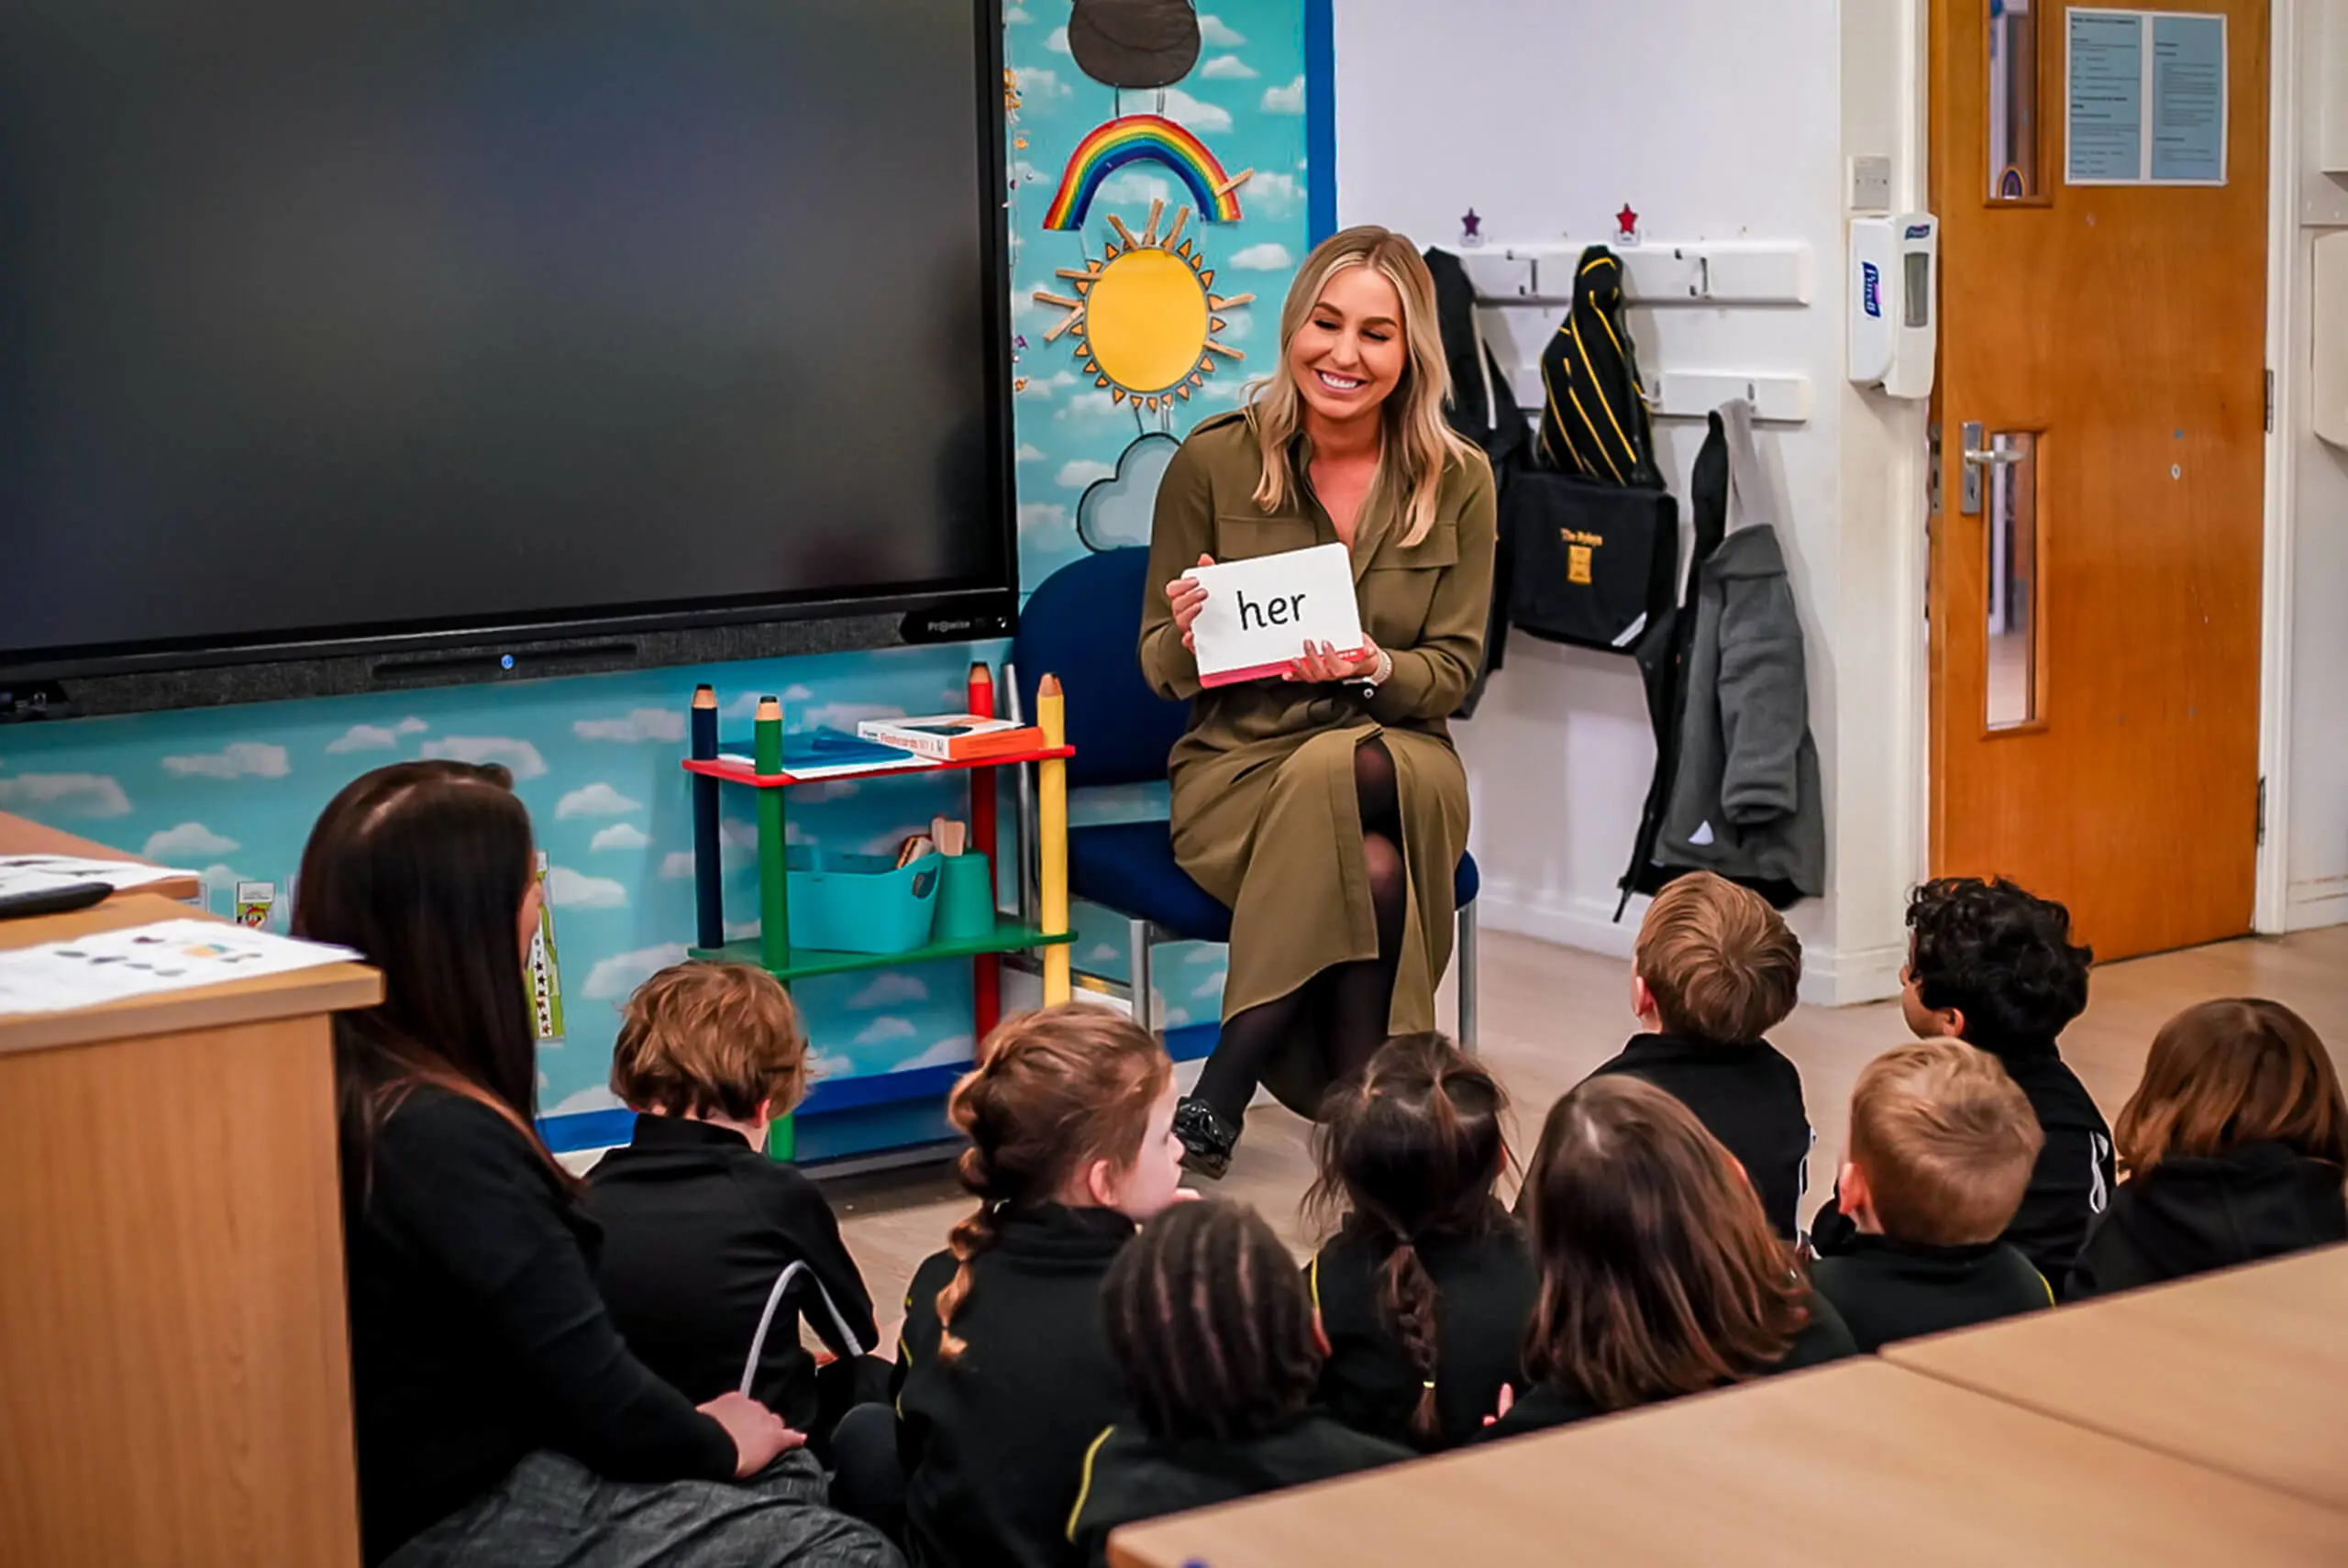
(1550, 1014)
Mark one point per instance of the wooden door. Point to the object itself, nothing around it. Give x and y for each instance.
(2095, 621)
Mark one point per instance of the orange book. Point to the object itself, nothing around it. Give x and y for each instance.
(953, 737)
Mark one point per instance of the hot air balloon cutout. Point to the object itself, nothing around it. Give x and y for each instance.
(1146, 315)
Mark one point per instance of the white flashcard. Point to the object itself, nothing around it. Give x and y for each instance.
(1260, 613)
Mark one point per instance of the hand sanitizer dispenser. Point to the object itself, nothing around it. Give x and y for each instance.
(1894, 302)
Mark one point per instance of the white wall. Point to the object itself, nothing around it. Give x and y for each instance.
(1717, 121)
(2314, 808)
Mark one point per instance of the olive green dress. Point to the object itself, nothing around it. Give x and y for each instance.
(1265, 816)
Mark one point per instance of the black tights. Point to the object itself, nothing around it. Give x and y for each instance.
(1347, 1004)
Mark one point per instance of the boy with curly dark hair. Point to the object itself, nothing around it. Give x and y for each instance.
(1994, 966)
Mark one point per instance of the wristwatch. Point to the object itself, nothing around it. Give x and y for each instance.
(1379, 674)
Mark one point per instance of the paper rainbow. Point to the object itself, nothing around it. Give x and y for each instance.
(1138, 138)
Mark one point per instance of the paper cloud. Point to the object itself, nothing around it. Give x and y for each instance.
(1045, 386)
(411, 725)
(1272, 194)
(1216, 33)
(570, 889)
(677, 865)
(620, 974)
(518, 757)
(68, 794)
(1198, 116)
(1116, 509)
(882, 1030)
(1209, 986)
(1269, 257)
(1131, 188)
(364, 737)
(1288, 100)
(1227, 68)
(259, 758)
(1057, 41)
(1035, 517)
(595, 801)
(954, 1050)
(620, 835)
(189, 841)
(794, 693)
(1028, 453)
(890, 990)
(638, 724)
(1040, 84)
(1084, 472)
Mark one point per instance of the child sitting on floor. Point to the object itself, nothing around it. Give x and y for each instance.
(1004, 1377)
(2235, 1144)
(1210, 1327)
(1941, 1145)
(1659, 1274)
(1994, 966)
(711, 1250)
(1423, 1293)
(1716, 969)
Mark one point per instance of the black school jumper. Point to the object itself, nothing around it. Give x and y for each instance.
(697, 1227)
(2069, 1187)
(477, 1336)
(1889, 1291)
(993, 1445)
(2187, 1215)
(1130, 1475)
(1823, 1338)
(1748, 1097)
(1485, 1288)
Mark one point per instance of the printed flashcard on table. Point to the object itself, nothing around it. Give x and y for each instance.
(1260, 613)
(140, 960)
(39, 873)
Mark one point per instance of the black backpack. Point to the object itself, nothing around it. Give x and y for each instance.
(1592, 535)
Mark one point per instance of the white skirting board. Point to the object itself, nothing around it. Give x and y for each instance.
(1692, 273)
(1776, 397)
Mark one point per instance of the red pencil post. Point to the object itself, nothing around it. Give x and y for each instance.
(986, 978)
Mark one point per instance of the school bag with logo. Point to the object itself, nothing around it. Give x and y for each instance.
(1593, 535)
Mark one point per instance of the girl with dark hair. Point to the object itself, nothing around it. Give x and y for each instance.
(1424, 1291)
(1214, 1333)
(1660, 1274)
(2235, 1145)
(1003, 1378)
(498, 1412)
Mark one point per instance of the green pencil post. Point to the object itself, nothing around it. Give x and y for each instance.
(774, 885)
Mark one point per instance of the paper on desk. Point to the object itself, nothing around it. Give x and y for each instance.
(39, 873)
(140, 960)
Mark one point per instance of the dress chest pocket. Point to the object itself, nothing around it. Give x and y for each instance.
(1398, 590)
(1245, 537)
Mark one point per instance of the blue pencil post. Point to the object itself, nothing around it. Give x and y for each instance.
(709, 891)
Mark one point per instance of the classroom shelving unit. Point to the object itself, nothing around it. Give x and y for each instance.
(764, 774)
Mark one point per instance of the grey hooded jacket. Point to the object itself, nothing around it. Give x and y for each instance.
(1745, 798)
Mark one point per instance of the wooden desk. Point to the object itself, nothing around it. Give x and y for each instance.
(2244, 1371)
(19, 836)
(1859, 1463)
(175, 1376)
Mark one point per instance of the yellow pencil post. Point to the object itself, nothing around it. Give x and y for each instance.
(1051, 836)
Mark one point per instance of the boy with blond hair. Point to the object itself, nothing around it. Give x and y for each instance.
(1942, 1144)
(710, 1246)
(1715, 970)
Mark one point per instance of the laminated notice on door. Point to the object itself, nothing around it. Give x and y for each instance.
(2144, 98)
(1260, 613)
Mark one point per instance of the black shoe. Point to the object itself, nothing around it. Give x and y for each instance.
(1207, 1138)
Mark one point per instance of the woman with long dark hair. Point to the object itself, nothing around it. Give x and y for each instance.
(500, 1415)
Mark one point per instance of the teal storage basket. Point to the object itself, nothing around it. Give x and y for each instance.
(861, 903)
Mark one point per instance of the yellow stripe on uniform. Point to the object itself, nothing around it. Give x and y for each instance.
(1597, 389)
(2047, 1285)
(1574, 398)
(1084, 1487)
(1618, 349)
(1312, 1279)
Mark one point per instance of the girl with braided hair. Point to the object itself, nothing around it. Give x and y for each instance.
(1210, 1327)
(1660, 1274)
(1003, 1378)
(1424, 1289)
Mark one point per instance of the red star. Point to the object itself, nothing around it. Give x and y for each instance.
(1627, 220)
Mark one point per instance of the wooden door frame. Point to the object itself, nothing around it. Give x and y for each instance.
(2269, 901)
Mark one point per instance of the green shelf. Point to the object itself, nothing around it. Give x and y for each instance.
(1008, 936)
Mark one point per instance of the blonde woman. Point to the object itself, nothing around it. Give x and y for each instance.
(1326, 807)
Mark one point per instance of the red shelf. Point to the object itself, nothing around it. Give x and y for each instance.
(743, 773)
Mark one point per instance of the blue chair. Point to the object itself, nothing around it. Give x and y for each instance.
(1083, 624)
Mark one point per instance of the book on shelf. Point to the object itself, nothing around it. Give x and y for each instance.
(953, 737)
